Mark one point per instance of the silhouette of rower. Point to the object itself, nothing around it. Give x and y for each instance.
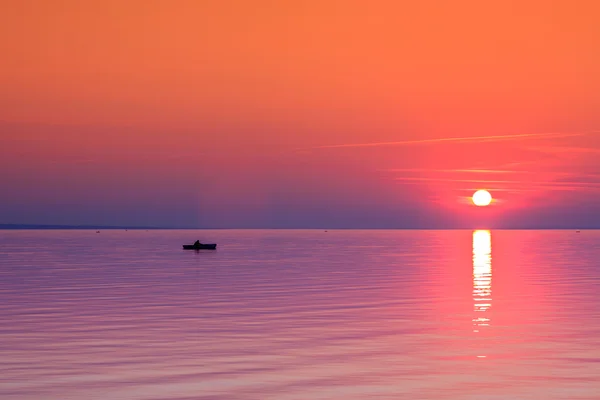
(197, 243)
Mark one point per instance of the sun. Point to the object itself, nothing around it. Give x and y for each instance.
(482, 198)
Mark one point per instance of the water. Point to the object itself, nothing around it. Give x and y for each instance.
(300, 315)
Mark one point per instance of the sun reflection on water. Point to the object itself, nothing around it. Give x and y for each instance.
(482, 278)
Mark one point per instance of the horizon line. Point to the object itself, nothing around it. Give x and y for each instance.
(97, 227)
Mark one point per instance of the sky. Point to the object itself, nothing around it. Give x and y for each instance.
(300, 114)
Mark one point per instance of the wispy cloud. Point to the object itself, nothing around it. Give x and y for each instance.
(524, 136)
(526, 184)
(475, 172)
(565, 149)
(450, 170)
(523, 188)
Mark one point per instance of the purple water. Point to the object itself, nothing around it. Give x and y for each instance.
(307, 314)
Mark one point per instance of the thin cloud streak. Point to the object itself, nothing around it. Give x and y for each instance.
(450, 170)
(524, 136)
(496, 189)
(561, 149)
(561, 174)
(528, 189)
(484, 182)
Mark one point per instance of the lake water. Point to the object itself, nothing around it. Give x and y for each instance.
(276, 314)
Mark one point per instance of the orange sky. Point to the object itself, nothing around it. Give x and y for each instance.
(246, 108)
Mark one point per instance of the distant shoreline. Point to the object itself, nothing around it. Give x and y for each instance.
(99, 227)
(72, 227)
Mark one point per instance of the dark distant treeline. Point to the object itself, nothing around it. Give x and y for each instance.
(33, 226)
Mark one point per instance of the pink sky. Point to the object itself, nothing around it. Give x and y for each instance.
(330, 113)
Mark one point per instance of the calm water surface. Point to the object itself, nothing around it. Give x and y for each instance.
(300, 315)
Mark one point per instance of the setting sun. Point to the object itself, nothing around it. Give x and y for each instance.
(482, 198)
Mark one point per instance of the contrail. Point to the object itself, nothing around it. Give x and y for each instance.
(457, 139)
(451, 170)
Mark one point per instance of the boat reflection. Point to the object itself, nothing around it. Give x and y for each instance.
(482, 278)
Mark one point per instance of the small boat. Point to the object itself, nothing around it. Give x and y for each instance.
(201, 246)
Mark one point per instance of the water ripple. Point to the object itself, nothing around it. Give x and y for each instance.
(300, 314)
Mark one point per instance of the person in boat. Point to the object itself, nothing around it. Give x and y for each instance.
(197, 243)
